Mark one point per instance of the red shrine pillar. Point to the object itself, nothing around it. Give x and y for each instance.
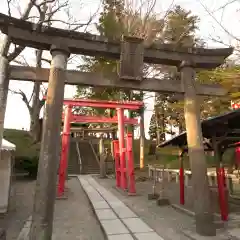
(221, 192)
(117, 165)
(131, 175)
(122, 150)
(181, 179)
(65, 149)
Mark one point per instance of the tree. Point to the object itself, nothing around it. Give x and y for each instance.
(45, 16)
(153, 127)
(6, 56)
(117, 20)
(179, 30)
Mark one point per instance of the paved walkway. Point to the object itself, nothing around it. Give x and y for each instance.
(117, 220)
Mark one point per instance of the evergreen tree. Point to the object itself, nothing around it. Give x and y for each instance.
(153, 127)
(180, 28)
(180, 31)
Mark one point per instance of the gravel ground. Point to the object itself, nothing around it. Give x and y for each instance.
(20, 207)
(74, 217)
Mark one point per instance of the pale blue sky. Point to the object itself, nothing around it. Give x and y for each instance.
(17, 115)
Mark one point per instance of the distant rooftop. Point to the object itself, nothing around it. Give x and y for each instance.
(6, 145)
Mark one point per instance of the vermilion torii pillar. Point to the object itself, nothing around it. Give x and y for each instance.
(65, 150)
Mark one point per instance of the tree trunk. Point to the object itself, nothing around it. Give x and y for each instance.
(142, 140)
(35, 123)
(4, 83)
(35, 128)
(158, 130)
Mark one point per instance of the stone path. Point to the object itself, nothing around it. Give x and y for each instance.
(118, 221)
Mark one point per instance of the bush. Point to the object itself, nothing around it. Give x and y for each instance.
(27, 164)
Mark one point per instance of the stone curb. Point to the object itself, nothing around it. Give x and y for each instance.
(116, 219)
(24, 234)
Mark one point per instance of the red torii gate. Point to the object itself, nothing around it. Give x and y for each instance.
(120, 119)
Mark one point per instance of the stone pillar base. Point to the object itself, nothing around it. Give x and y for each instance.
(153, 196)
(203, 227)
(3, 235)
(163, 202)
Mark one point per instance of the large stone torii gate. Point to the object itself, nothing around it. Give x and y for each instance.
(132, 53)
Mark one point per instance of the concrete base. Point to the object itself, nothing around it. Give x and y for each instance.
(163, 202)
(153, 196)
(63, 197)
(132, 194)
(218, 222)
(205, 225)
(3, 234)
(5, 180)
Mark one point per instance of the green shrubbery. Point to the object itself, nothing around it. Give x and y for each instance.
(27, 153)
(27, 164)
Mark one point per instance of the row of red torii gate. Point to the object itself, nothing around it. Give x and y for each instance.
(122, 148)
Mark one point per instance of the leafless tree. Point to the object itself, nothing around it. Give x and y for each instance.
(46, 15)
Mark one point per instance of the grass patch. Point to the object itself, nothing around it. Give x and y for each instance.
(23, 141)
(27, 153)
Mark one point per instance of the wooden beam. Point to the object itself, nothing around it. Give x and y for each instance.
(30, 35)
(75, 129)
(96, 79)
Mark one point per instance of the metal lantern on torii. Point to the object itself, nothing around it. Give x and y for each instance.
(120, 162)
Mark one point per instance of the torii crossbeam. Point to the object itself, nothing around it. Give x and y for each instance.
(95, 119)
(131, 105)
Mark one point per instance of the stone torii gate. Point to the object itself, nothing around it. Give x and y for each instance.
(132, 53)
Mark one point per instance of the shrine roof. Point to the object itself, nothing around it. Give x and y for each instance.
(210, 126)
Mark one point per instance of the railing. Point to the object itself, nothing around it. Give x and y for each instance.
(171, 174)
(94, 152)
(79, 156)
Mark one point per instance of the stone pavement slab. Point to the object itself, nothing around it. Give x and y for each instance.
(124, 212)
(100, 205)
(105, 214)
(114, 226)
(136, 225)
(149, 236)
(121, 237)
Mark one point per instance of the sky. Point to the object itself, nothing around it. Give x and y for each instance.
(17, 115)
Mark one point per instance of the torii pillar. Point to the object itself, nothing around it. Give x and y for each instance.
(43, 209)
(202, 207)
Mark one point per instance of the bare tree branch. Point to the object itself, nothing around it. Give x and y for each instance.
(9, 8)
(218, 22)
(24, 98)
